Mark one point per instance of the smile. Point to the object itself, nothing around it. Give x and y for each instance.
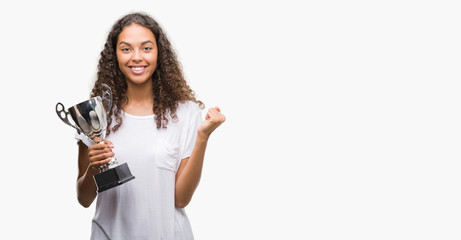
(138, 69)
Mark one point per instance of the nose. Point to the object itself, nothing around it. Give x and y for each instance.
(137, 56)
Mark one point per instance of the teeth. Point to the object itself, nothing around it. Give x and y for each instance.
(137, 68)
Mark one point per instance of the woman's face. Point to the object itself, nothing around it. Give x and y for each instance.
(137, 53)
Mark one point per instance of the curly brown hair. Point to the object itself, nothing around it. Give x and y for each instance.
(169, 85)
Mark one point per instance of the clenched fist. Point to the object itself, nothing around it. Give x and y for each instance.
(101, 153)
(213, 119)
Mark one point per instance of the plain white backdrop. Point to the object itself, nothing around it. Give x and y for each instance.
(343, 117)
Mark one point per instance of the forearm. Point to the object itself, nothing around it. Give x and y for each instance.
(86, 187)
(189, 178)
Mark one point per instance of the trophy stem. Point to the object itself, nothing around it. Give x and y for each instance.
(112, 164)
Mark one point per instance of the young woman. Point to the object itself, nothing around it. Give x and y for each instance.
(156, 127)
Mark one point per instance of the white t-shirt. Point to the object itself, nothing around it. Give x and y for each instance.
(144, 207)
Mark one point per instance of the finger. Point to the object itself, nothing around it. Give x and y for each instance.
(101, 156)
(109, 143)
(99, 142)
(100, 163)
(98, 152)
(213, 111)
(102, 145)
(220, 116)
(216, 116)
(102, 140)
(207, 116)
(99, 146)
(210, 116)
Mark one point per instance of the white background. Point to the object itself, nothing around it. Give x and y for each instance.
(343, 117)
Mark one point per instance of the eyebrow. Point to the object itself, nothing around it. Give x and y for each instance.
(148, 41)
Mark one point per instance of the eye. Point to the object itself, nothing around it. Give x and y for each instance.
(147, 49)
(125, 49)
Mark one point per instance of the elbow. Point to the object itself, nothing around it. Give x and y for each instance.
(181, 203)
(85, 204)
(85, 197)
(85, 200)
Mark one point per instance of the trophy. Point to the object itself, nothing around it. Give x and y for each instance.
(91, 118)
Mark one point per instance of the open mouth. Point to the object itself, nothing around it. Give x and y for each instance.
(137, 69)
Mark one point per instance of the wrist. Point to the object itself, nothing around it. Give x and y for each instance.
(92, 170)
(201, 136)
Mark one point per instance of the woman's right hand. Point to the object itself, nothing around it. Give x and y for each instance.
(100, 153)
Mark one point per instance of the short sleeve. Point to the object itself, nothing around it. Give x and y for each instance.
(189, 131)
(81, 137)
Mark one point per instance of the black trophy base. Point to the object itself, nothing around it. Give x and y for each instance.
(113, 177)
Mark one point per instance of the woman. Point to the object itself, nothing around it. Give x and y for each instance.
(157, 129)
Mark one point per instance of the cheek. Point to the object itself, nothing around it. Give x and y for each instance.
(152, 58)
(152, 61)
(121, 58)
(120, 61)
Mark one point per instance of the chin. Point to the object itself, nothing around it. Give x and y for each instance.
(139, 81)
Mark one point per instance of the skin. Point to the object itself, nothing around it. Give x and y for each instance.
(136, 48)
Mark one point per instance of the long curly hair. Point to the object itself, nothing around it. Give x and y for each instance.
(169, 85)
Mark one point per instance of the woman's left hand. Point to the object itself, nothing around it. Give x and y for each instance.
(213, 119)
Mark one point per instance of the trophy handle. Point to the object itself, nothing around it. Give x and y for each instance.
(63, 115)
(106, 96)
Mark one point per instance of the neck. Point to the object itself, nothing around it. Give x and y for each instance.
(140, 98)
(139, 92)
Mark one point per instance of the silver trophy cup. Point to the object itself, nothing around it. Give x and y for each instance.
(90, 118)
